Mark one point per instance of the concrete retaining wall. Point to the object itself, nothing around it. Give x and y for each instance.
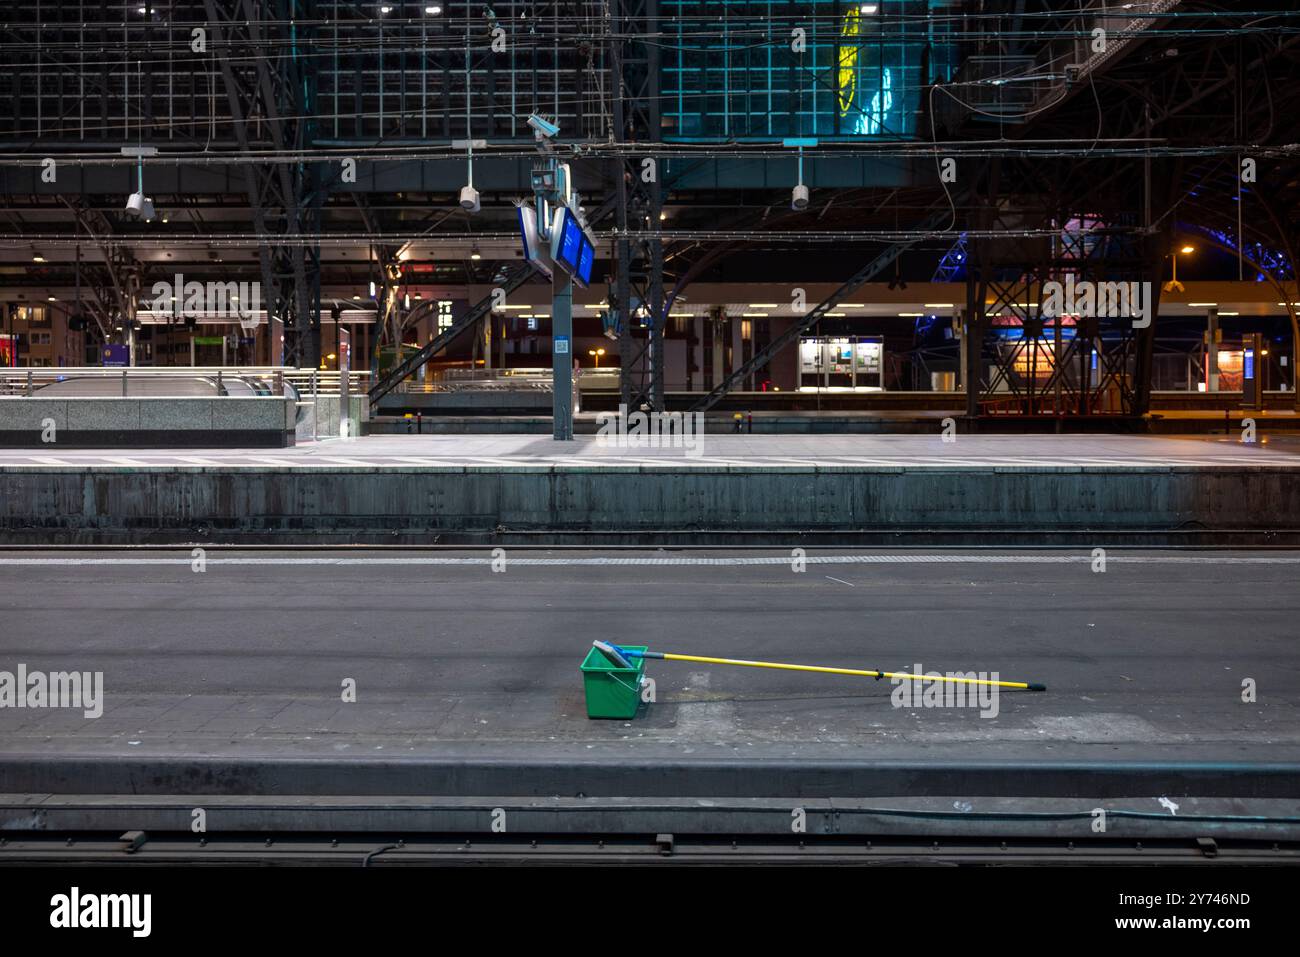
(637, 506)
(433, 778)
(225, 421)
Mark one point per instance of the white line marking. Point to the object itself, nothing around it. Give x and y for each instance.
(842, 582)
(729, 561)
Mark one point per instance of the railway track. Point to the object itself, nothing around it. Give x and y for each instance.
(649, 850)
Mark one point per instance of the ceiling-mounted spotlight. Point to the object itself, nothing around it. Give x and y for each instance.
(469, 200)
(37, 257)
(433, 10)
(799, 195)
(474, 253)
(140, 206)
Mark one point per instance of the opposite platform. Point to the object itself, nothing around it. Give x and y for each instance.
(775, 490)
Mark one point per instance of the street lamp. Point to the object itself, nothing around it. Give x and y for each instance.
(596, 354)
(1174, 285)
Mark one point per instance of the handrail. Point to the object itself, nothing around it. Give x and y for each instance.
(31, 381)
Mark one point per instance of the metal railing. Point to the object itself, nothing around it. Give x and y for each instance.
(481, 380)
(507, 380)
(177, 381)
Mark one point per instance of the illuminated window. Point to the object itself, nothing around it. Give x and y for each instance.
(444, 315)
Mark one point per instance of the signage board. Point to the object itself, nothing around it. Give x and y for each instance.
(535, 250)
(586, 259)
(568, 241)
(116, 355)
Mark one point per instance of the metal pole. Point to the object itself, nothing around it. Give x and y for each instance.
(345, 370)
(315, 408)
(562, 357)
(1212, 350)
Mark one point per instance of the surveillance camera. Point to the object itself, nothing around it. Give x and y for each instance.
(543, 127)
(799, 197)
(135, 204)
(469, 199)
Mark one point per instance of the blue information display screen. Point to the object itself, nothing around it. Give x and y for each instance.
(570, 242)
(586, 259)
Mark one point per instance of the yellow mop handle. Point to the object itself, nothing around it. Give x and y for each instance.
(1023, 685)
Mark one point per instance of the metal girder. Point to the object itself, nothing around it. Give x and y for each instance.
(1093, 235)
(870, 271)
(114, 290)
(389, 325)
(1041, 372)
(634, 68)
(515, 278)
(277, 92)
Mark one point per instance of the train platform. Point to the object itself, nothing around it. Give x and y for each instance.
(705, 490)
(404, 452)
(229, 683)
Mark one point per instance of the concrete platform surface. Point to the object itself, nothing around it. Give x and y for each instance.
(245, 661)
(747, 451)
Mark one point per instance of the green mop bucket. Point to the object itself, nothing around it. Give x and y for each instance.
(612, 692)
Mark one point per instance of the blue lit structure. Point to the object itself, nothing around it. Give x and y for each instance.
(1260, 257)
(952, 267)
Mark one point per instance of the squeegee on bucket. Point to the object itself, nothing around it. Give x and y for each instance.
(620, 656)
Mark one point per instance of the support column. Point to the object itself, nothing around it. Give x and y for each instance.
(658, 315)
(962, 345)
(1212, 350)
(972, 338)
(562, 357)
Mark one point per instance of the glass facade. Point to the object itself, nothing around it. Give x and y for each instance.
(740, 70)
